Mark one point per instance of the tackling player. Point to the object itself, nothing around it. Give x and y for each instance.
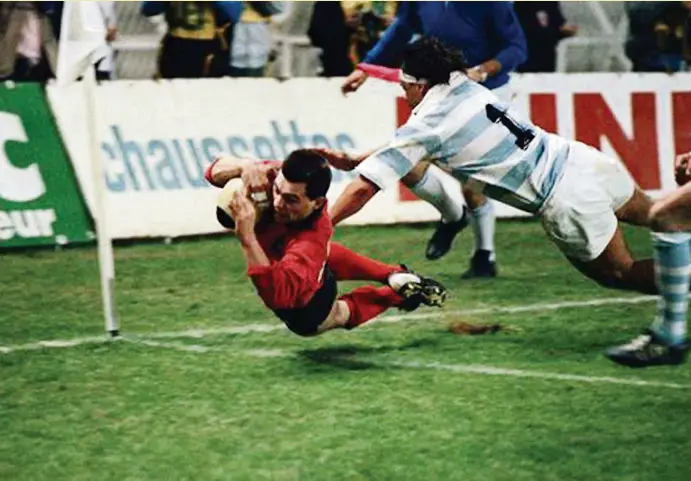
(671, 214)
(578, 193)
(290, 257)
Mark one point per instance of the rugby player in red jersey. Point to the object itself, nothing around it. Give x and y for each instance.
(291, 259)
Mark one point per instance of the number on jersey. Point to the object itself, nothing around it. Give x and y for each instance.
(523, 134)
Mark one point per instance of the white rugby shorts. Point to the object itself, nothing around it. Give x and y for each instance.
(580, 216)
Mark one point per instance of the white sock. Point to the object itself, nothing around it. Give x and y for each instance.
(442, 191)
(399, 279)
(483, 221)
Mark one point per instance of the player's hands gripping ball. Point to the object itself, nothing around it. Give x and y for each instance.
(254, 184)
(225, 203)
(256, 179)
(244, 213)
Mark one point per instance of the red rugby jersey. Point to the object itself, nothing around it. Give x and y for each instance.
(298, 254)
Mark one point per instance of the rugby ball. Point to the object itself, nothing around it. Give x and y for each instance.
(223, 213)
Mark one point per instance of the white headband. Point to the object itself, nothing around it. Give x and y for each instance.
(404, 77)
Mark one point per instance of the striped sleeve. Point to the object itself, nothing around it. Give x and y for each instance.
(410, 145)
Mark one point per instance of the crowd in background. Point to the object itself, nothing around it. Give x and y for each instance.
(230, 38)
(659, 36)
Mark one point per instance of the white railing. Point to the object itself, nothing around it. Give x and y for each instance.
(295, 54)
(610, 50)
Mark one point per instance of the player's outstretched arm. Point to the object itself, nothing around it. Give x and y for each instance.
(343, 161)
(509, 36)
(353, 198)
(389, 47)
(224, 168)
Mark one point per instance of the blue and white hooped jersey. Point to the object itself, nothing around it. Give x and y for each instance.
(463, 128)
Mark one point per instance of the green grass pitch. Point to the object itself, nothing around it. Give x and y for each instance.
(238, 399)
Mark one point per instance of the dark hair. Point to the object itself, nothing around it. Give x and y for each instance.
(308, 166)
(430, 59)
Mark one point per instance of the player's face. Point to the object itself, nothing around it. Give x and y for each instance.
(413, 93)
(291, 203)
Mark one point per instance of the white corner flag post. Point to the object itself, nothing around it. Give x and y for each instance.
(82, 44)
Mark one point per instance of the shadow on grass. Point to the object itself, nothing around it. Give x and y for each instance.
(346, 356)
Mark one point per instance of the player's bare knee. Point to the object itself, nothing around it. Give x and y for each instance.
(338, 317)
(473, 198)
(614, 278)
(611, 280)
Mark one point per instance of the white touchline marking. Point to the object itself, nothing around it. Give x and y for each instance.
(456, 368)
(498, 371)
(277, 326)
(488, 370)
(178, 346)
(201, 332)
(527, 308)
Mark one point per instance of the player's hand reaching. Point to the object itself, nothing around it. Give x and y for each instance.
(682, 168)
(476, 74)
(245, 216)
(338, 160)
(354, 81)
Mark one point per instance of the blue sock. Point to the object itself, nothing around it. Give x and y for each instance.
(672, 270)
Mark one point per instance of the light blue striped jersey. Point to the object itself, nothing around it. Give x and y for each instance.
(466, 130)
